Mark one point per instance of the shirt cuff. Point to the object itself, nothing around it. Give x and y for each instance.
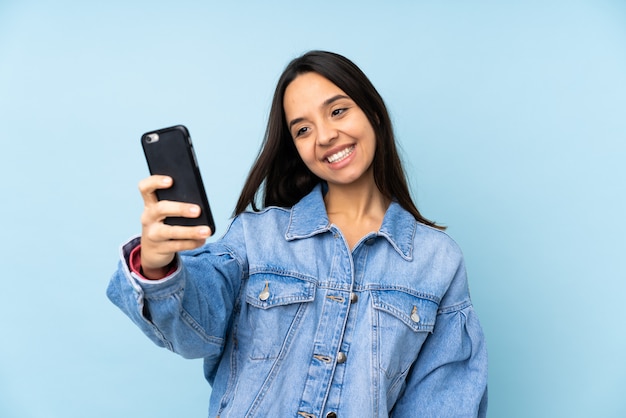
(135, 264)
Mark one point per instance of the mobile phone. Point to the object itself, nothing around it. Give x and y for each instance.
(170, 152)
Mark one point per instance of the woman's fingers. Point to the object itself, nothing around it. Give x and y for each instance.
(158, 232)
(159, 241)
(150, 185)
(159, 210)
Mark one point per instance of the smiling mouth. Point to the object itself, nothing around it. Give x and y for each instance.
(341, 155)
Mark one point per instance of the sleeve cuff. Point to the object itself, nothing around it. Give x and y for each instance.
(135, 264)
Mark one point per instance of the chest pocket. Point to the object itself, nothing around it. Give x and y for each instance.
(275, 303)
(403, 320)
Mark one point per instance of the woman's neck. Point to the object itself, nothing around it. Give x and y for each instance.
(357, 209)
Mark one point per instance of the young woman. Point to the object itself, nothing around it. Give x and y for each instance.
(335, 298)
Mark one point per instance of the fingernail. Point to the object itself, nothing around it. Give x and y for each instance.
(204, 231)
(166, 180)
(194, 210)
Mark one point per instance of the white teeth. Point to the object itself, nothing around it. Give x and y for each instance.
(340, 155)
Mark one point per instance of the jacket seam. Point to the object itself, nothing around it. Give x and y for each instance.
(455, 308)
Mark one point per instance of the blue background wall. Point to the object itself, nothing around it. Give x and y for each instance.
(512, 120)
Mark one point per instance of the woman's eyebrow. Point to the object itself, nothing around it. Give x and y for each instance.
(326, 102)
(293, 122)
(334, 99)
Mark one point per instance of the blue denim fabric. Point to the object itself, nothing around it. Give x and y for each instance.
(292, 323)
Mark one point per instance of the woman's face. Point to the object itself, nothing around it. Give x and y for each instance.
(332, 134)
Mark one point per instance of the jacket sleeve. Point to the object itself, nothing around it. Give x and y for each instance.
(188, 312)
(449, 378)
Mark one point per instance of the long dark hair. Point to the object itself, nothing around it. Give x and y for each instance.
(279, 173)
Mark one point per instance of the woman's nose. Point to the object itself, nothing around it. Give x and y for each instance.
(326, 133)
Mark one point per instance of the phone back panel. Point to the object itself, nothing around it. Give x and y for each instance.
(170, 152)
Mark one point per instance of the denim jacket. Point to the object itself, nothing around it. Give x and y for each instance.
(291, 322)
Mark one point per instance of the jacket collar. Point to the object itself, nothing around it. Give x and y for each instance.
(309, 217)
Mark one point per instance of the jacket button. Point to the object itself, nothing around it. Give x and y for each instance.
(265, 293)
(354, 297)
(341, 358)
(414, 315)
(370, 241)
(331, 415)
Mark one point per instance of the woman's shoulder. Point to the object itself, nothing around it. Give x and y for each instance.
(250, 221)
(266, 214)
(436, 239)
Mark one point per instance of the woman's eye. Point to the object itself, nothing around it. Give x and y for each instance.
(338, 112)
(302, 131)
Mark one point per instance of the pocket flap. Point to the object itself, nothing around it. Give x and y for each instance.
(416, 312)
(266, 290)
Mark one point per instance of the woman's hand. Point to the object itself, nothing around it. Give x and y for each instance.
(161, 242)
